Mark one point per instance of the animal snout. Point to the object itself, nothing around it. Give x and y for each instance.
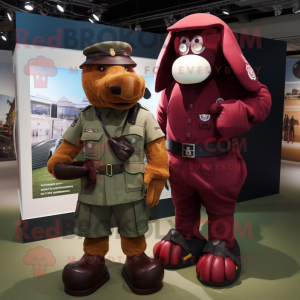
(127, 87)
(116, 90)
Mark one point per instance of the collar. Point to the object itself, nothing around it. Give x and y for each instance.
(106, 110)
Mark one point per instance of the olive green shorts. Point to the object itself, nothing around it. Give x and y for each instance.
(95, 221)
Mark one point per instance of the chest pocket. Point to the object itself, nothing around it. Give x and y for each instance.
(135, 135)
(92, 148)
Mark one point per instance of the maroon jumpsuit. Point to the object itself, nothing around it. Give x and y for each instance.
(214, 181)
(205, 109)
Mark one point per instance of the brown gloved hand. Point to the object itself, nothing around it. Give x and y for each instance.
(91, 165)
(64, 171)
(157, 169)
(79, 169)
(154, 190)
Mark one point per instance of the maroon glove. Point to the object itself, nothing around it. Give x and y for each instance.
(232, 118)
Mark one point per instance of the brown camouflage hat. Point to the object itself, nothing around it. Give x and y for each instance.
(108, 53)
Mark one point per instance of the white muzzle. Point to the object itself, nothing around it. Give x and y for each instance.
(190, 69)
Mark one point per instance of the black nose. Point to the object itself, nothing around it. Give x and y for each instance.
(116, 90)
(147, 94)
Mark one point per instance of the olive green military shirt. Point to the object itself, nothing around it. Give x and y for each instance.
(86, 130)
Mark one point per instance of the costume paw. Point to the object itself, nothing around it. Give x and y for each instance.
(232, 118)
(215, 108)
(175, 251)
(167, 252)
(218, 266)
(154, 190)
(215, 269)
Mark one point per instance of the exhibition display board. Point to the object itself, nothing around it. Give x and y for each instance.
(49, 97)
(291, 117)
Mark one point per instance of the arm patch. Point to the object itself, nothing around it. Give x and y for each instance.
(75, 120)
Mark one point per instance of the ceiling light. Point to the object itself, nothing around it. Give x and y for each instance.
(29, 5)
(43, 12)
(138, 27)
(9, 15)
(97, 16)
(226, 11)
(61, 7)
(170, 20)
(277, 9)
(4, 36)
(91, 20)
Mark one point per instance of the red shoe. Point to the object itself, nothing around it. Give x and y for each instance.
(175, 251)
(218, 266)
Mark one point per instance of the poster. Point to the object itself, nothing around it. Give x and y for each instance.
(291, 112)
(7, 107)
(56, 98)
(7, 117)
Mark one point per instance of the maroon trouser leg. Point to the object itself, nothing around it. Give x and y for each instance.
(215, 183)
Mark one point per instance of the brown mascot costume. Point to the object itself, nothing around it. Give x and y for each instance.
(114, 133)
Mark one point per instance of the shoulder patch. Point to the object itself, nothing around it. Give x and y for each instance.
(75, 120)
(86, 108)
(144, 107)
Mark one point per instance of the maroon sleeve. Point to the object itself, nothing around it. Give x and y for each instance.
(237, 116)
(161, 112)
(258, 105)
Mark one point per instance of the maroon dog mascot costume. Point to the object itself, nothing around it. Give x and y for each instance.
(210, 95)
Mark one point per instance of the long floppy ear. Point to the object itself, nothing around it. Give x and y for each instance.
(237, 61)
(167, 56)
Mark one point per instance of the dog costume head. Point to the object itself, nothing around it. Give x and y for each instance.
(108, 77)
(195, 49)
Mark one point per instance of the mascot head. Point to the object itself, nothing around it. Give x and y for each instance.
(196, 48)
(108, 77)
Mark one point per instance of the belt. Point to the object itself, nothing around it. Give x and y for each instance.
(192, 150)
(110, 170)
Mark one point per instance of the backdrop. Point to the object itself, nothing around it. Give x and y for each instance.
(263, 154)
(62, 42)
